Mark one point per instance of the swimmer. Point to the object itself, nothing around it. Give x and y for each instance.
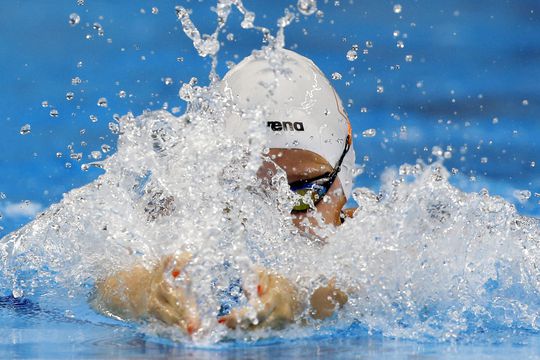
(309, 137)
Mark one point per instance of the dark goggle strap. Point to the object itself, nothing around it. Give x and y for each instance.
(331, 176)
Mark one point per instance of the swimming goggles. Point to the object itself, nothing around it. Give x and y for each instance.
(315, 189)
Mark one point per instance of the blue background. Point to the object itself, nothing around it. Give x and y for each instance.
(474, 61)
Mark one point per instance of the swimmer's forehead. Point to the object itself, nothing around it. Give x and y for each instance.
(300, 164)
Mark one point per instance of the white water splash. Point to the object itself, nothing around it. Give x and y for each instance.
(208, 44)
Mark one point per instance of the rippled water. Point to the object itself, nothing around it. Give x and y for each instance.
(422, 260)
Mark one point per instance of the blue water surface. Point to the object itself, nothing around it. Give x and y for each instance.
(471, 88)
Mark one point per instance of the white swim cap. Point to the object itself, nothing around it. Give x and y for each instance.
(302, 109)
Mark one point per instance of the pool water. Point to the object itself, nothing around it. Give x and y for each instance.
(452, 80)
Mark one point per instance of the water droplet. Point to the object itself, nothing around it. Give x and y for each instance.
(352, 55)
(93, 118)
(380, 89)
(70, 95)
(17, 293)
(97, 26)
(180, 59)
(336, 76)
(495, 120)
(522, 195)
(397, 8)
(122, 94)
(363, 109)
(247, 22)
(307, 7)
(155, 10)
(44, 103)
(74, 19)
(437, 151)
(58, 154)
(168, 81)
(369, 133)
(80, 2)
(396, 33)
(369, 44)
(484, 160)
(408, 58)
(96, 155)
(525, 102)
(25, 129)
(102, 102)
(53, 113)
(533, 163)
(114, 128)
(400, 44)
(76, 80)
(68, 165)
(230, 36)
(105, 148)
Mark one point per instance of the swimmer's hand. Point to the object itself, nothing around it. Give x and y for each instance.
(326, 299)
(141, 294)
(276, 305)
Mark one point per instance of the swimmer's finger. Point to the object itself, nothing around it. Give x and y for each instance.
(230, 320)
(237, 318)
(170, 295)
(266, 317)
(165, 313)
(181, 313)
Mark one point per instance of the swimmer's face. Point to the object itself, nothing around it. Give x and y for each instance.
(305, 165)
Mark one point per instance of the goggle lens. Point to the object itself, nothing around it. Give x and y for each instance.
(313, 192)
